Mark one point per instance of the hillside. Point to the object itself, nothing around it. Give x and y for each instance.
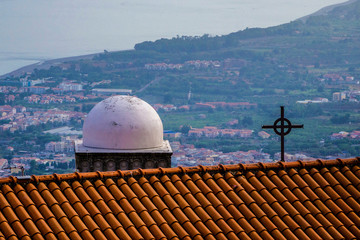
(286, 57)
(326, 10)
(308, 39)
(310, 66)
(253, 62)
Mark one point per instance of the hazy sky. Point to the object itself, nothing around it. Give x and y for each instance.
(40, 29)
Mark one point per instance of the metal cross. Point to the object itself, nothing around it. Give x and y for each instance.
(285, 127)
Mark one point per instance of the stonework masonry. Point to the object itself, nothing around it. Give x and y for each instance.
(92, 162)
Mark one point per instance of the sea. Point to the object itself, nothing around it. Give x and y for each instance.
(38, 30)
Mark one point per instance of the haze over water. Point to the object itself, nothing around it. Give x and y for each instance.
(37, 30)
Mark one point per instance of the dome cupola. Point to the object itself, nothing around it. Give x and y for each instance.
(123, 123)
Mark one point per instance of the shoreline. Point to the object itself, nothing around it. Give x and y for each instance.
(46, 64)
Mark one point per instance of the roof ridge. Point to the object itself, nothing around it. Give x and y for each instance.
(180, 169)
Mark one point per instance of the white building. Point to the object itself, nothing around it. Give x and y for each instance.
(110, 91)
(70, 86)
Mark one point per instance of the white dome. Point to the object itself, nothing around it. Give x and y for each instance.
(123, 122)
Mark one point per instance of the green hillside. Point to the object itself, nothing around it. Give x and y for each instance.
(310, 42)
(302, 60)
(275, 57)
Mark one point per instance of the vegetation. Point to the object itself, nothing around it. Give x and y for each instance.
(268, 66)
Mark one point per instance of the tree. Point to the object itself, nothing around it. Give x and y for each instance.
(33, 167)
(340, 119)
(320, 89)
(185, 128)
(87, 107)
(2, 98)
(247, 121)
(77, 108)
(168, 98)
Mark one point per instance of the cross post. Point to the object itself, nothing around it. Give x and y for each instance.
(285, 127)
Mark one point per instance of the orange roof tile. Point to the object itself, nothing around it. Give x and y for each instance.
(294, 200)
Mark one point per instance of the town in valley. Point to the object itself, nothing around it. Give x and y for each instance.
(213, 94)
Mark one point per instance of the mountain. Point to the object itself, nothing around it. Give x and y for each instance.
(326, 10)
(310, 58)
(272, 58)
(328, 36)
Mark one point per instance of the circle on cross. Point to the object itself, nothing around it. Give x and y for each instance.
(285, 127)
(284, 124)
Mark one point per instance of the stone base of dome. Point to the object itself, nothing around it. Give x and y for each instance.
(99, 159)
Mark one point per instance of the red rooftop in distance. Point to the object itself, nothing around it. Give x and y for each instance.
(284, 200)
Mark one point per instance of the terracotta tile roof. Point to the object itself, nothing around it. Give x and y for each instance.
(294, 200)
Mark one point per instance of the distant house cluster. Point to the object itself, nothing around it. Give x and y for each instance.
(70, 86)
(202, 64)
(193, 63)
(213, 132)
(63, 87)
(315, 100)
(343, 134)
(3, 164)
(36, 89)
(351, 96)
(66, 85)
(6, 110)
(30, 86)
(19, 164)
(55, 154)
(55, 99)
(26, 82)
(292, 157)
(339, 96)
(188, 155)
(263, 134)
(163, 66)
(171, 134)
(66, 145)
(110, 91)
(165, 107)
(8, 89)
(20, 119)
(336, 77)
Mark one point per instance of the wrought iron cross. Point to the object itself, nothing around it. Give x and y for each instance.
(285, 127)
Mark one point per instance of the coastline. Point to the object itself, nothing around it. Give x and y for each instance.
(45, 65)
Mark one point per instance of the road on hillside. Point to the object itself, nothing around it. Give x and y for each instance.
(156, 80)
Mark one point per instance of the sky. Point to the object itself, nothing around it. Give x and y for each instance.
(36, 30)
